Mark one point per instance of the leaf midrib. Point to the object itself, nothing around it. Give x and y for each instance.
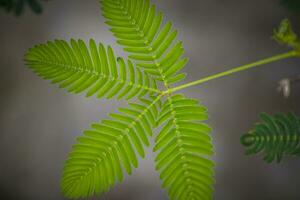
(83, 69)
(99, 159)
(178, 144)
(126, 12)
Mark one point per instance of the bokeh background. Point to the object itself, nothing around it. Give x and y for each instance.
(39, 122)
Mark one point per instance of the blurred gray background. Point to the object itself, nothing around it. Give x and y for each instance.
(39, 122)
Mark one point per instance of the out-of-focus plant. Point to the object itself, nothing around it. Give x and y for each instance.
(18, 6)
(275, 136)
(285, 35)
(111, 147)
(292, 5)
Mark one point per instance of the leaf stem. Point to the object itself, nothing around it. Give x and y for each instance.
(235, 70)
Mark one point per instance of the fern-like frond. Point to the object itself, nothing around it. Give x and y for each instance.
(96, 163)
(275, 136)
(138, 27)
(94, 70)
(185, 146)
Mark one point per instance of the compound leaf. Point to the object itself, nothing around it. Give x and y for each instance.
(96, 162)
(93, 70)
(138, 27)
(275, 136)
(184, 145)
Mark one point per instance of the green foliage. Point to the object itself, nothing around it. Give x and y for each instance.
(110, 148)
(138, 27)
(284, 34)
(96, 162)
(17, 6)
(276, 136)
(185, 145)
(292, 5)
(95, 70)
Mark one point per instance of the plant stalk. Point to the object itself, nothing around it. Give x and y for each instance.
(235, 70)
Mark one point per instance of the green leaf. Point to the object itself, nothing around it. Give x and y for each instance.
(18, 6)
(93, 70)
(153, 46)
(184, 145)
(97, 161)
(275, 136)
(285, 35)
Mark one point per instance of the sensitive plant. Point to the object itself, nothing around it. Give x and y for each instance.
(111, 147)
(275, 136)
